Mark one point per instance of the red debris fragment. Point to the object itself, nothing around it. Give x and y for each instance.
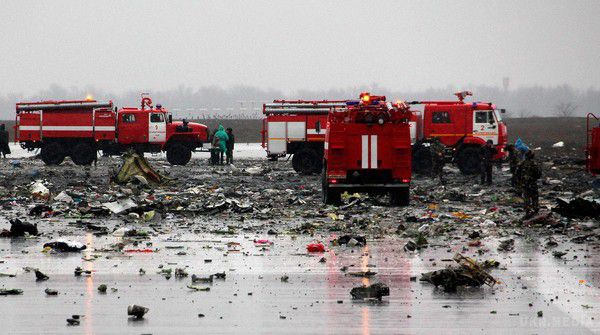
(315, 247)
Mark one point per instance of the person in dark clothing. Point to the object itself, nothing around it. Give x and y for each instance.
(513, 162)
(4, 148)
(530, 175)
(437, 160)
(230, 145)
(486, 156)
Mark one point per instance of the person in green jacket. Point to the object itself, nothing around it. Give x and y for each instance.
(222, 137)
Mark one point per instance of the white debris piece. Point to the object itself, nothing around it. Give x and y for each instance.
(487, 224)
(39, 190)
(119, 206)
(255, 170)
(558, 144)
(63, 197)
(72, 244)
(122, 231)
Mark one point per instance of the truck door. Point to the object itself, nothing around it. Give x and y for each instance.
(277, 137)
(128, 128)
(440, 123)
(485, 125)
(157, 128)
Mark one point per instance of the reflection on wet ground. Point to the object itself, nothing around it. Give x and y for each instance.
(315, 299)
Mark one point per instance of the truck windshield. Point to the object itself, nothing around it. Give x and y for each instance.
(498, 115)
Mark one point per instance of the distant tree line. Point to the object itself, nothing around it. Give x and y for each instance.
(245, 102)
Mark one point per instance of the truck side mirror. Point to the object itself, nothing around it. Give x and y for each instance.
(170, 118)
(502, 110)
(318, 127)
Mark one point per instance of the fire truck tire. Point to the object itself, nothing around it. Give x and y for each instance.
(306, 161)
(330, 196)
(468, 160)
(178, 154)
(83, 154)
(400, 198)
(52, 153)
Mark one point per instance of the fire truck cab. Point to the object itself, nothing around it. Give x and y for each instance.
(152, 129)
(460, 126)
(592, 153)
(368, 149)
(79, 128)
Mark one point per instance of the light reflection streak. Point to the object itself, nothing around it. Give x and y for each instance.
(365, 310)
(89, 286)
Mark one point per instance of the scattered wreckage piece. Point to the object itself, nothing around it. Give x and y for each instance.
(577, 208)
(198, 288)
(468, 273)
(10, 291)
(137, 311)
(351, 240)
(136, 166)
(64, 246)
(19, 228)
(50, 291)
(40, 276)
(375, 291)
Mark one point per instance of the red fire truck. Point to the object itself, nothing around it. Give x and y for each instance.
(297, 127)
(462, 127)
(368, 149)
(79, 128)
(593, 144)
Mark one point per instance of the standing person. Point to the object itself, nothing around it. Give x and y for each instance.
(437, 160)
(4, 148)
(531, 173)
(223, 138)
(513, 163)
(486, 156)
(230, 145)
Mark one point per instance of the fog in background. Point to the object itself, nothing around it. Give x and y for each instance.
(224, 58)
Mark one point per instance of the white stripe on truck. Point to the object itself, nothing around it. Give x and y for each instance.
(373, 151)
(365, 152)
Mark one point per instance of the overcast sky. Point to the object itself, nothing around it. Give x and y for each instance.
(290, 45)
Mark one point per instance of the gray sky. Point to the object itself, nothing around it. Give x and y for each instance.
(289, 45)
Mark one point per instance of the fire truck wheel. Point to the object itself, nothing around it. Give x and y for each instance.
(306, 162)
(330, 196)
(400, 198)
(468, 160)
(53, 153)
(83, 154)
(178, 154)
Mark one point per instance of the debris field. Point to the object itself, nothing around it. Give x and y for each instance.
(251, 248)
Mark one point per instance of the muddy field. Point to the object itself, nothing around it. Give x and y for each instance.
(251, 224)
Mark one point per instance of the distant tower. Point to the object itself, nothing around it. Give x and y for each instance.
(505, 83)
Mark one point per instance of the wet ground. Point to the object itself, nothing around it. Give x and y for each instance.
(192, 230)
